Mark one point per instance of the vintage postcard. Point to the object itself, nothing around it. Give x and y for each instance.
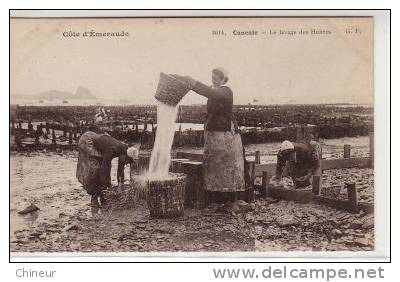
(242, 136)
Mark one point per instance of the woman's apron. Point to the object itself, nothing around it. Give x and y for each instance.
(89, 162)
(223, 165)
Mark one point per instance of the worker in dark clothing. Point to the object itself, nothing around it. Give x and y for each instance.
(96, 152)
(303, 160)
(110, 148)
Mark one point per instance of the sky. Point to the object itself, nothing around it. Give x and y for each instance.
(272, 69)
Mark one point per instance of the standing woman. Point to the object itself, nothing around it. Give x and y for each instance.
(223, 165)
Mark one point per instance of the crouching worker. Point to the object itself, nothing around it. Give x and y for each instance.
(302, 160)
(96, 152)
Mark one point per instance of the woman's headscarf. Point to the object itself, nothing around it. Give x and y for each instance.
(221, 72)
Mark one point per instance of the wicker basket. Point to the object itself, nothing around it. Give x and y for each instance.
(171, 90)
(129, 196)
(121, 199)
(165, 198)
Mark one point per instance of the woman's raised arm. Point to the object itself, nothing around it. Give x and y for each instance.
(210, 92)
(223, 92)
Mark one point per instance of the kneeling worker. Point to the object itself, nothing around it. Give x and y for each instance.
(96, 152)
(303, 160)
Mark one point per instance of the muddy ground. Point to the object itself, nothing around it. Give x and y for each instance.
(65, 222)
(266, 225)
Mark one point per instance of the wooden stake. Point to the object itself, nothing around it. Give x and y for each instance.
(257, 158)
(37, 140)
(252, 172)
(252, 179)
(352, 197)
(347, 151)
(53, 141)
(316, 184)
(264, 184)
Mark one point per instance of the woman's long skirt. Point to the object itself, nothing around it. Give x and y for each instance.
(223, 165)
(89, 162)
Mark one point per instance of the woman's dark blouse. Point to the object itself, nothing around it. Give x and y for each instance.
(219, 106)
(110, 148)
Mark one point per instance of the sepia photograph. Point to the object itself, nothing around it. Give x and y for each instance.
(244, 136)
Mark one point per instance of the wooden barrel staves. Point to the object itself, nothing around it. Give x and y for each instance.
(166, 198)
(171, 90)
